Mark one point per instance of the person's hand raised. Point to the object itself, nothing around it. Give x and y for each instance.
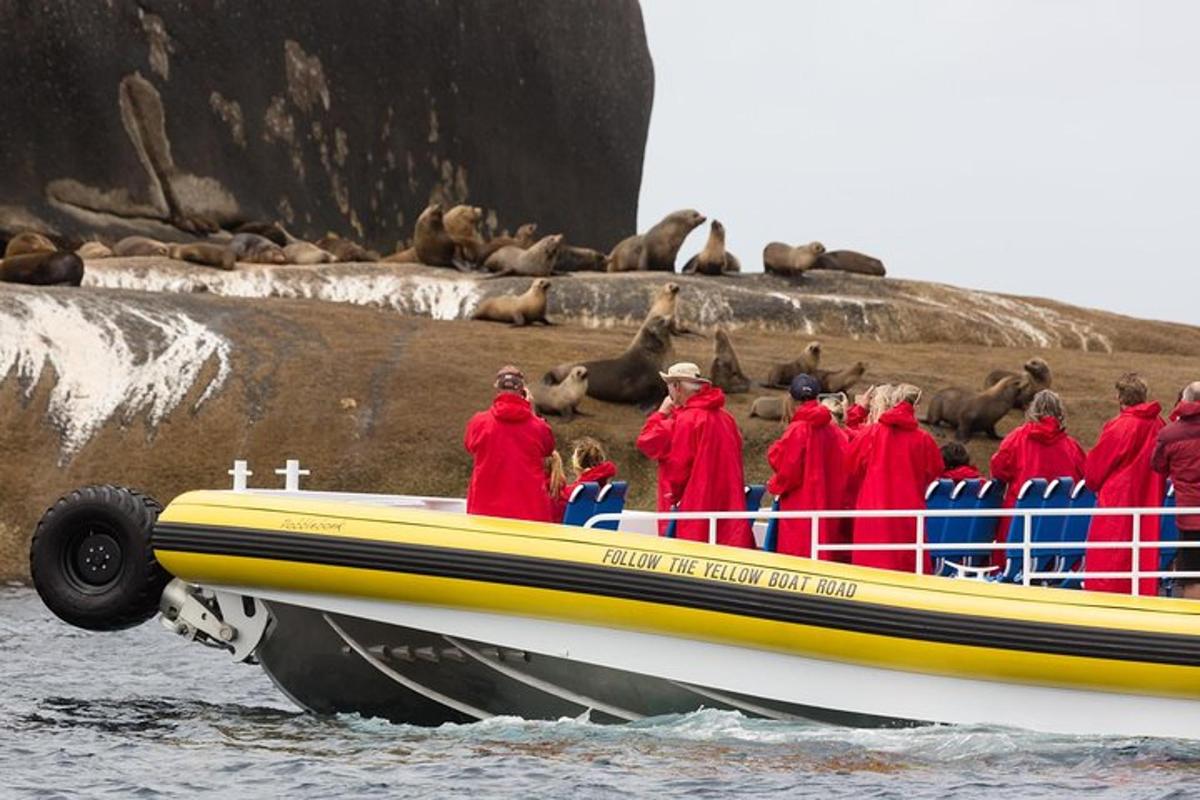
(666, 405)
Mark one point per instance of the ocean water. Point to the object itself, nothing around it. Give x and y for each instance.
(143, 714)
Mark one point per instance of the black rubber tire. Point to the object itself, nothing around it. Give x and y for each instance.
(91, 558)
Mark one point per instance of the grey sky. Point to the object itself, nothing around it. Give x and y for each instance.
(1035, 147)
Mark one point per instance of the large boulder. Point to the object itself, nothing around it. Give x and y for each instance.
(159, 116)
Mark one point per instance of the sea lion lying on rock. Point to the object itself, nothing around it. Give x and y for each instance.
(787, 261)
(526, 236)
(1035, 376)
(714, 259)
(268, 230)
(251, 248)
(968, 412)
(781, 375)
(850, 261)
(206, 253)
(833, 381)
(43, 269)
(345, 250)
(141, 246)
(561, 398)
(305, 253)
(524, 309)
(29, 242)
(580, 259)
(94, 250)
(633, 376)
(774, 407)
(726, 373)
(660, 244)
(537, 261)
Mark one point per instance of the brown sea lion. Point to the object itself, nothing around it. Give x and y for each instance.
(268, 230)
(580, 259)
(787, 261)
(526, 236)
(781, 375)
(345, 250)
(561, 398)
(967, 412)
(305, 253)
(1035, 376)
(206, 253)
(714, 259)
(432, 244)
(254, 249)
(140, 246)
(850, 261)
(774, 407)
(666, 304)
(725, 373)
(633, 376)
(28, 242)
(833, 381)
(537, 261)
(462, 223)
(661, 244)
(524, 309)
(94, 250)
(43, 269)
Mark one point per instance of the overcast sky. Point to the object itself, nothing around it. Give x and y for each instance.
(1040, 147)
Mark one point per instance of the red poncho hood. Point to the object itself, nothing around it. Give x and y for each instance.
(601, 473)
(813, 413)
(1046, 430)
(1185, 411)
(856, 415)
(709, 397)
(1143, 410)
(964, 473)
(508, 407)
(901, 416)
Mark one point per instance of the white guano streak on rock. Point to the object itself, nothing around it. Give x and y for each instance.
(100, 370)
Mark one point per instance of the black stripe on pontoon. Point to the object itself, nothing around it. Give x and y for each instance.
(747, 601)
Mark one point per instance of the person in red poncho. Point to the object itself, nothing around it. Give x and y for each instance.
(1118, 470)
(698, 447)
(809, 464)
(957, 463)
(591, 465)
(509, 444)
(1041, 448)
(893, 462)
(1177, 456)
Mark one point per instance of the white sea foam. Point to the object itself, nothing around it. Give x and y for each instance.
(106, 358)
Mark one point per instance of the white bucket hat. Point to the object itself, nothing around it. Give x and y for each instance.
(683, 371)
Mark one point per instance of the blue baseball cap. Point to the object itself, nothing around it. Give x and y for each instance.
(804, 387)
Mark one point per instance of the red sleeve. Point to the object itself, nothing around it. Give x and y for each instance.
(786, 457)
(546, 436)
(655, 439)
(677, 468)
(1103, 458)
(857, 456)
(477, 428)
(1004, 461)
(1160, 462)
(934, 465)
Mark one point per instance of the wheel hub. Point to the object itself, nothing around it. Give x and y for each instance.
(98, 559)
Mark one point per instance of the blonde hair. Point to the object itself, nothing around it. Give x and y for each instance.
(586, 453)
(1131, 389)
(906, 393)
(554, 471)
(880, 401)
(1045, 403)
(1191, 392)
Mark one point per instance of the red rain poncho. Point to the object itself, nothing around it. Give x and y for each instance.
(509, 444)
(1177, 456)
(600, 474)
(1118, 470)
(1040, 449)
(809, 461)
(894, 461)
(964, 473)
(655, 442)
(700, 468)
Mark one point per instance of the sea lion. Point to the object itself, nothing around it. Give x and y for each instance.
(833, 381)
(714, 259)
(850, 261)
(537, 261)
(633, 376)
(254, 249)
(781, 375)
(774, 407)
(524, 309)
(787, 261)
(580, 259)
(561, 398)
(665, 304)
(140, 246)
(28, 242)
(268, 230)
(462, 223)
(206, 253)
(967, 412)
(298, 252)
(43, 269)
(1035, 376)
(345, 250)
(726, 373)
(524, 239)
(661, 244)
(94, 250)
(432, 244)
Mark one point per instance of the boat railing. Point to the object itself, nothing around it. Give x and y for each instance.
(920, 546)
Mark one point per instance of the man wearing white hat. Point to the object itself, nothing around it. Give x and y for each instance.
(698, 447)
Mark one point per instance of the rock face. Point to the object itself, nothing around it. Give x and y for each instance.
(154, 116)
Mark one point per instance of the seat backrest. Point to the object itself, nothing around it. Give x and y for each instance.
(771, 540)
(1031, 497)
(754, 496)
(1075, 528)
(937, 498)
(971, 495)
(611, 500)
(582, 504)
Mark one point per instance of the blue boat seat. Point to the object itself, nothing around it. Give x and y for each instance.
(754, 496)
(1031, 497)
(1074, 533)
(611, 500)
(582, 504)
(971, 495)
(1168, 531)
(771, 540)
(937, 498)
